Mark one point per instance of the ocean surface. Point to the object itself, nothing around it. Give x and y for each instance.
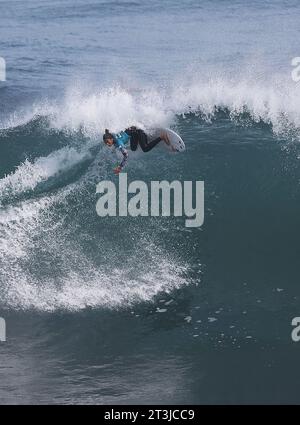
(139, 309)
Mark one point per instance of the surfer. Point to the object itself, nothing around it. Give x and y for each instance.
(134, 136)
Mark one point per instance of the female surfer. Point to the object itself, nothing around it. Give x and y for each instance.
(134, 136)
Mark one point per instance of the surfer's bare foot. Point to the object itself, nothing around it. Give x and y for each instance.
(164, 136)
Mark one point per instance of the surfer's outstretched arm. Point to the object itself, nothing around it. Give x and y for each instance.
(122, 164)
(125, 157)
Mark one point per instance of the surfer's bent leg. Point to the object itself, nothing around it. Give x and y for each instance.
(144, 144)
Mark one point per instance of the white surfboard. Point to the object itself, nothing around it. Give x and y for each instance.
(177, 144)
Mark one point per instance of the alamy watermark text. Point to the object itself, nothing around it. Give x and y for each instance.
(163, 198)
(296, 71)
(2, 69)
(2, 330)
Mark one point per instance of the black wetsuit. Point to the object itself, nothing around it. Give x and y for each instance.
(139, 137)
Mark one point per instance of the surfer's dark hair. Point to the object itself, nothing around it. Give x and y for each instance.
(107, 135)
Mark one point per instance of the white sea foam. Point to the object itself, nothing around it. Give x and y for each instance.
(29, 174)
(90, 288)
(274, 102)
(114, 108)
(30, 233)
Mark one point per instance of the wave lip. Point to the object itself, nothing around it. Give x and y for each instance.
(275, 100)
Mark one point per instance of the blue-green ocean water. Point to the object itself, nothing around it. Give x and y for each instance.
(145, 310)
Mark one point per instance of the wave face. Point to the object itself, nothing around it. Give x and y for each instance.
(56, 158)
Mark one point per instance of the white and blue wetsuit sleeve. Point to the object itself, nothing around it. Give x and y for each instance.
(125, 157)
